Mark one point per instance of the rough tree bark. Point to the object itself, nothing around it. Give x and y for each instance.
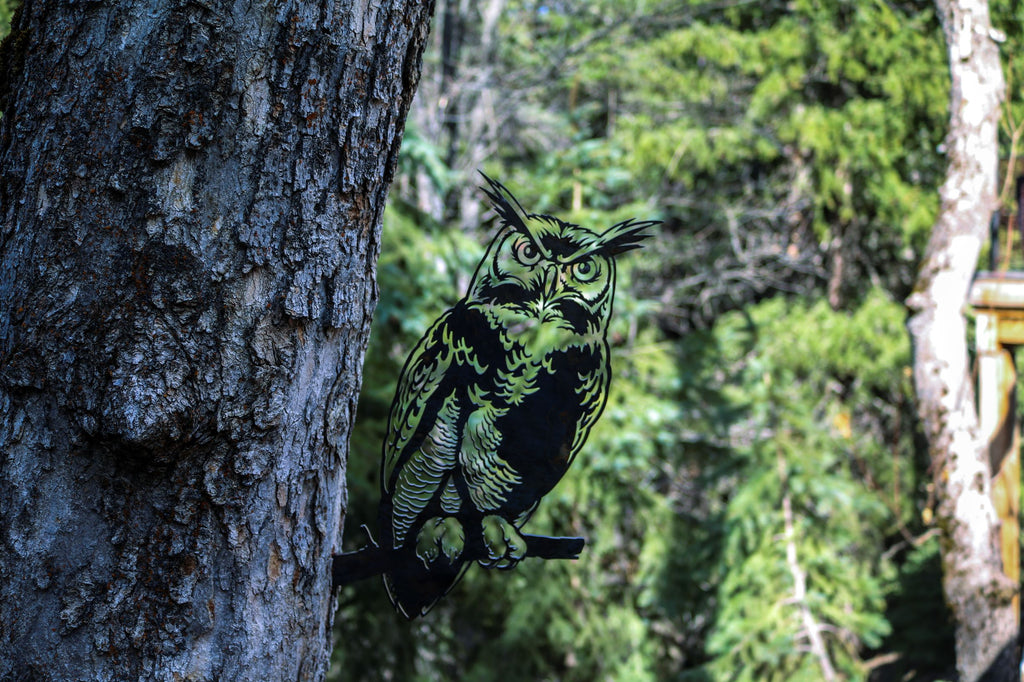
(975, 588)
(190, 205)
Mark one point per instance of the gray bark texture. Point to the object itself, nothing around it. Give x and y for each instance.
(978, 593)
(190, 205)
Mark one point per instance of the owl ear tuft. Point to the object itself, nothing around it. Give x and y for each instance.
(624, 236)
(506, 205)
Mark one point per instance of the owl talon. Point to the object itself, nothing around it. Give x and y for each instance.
(504, 545)
(440, 537)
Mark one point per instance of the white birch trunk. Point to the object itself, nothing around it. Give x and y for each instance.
(978, 594)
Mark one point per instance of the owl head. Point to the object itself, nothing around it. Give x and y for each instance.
(539, 269)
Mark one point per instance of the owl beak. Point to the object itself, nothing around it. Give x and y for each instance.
(552, 283)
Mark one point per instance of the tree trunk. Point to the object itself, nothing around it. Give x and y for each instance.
(457, 107)
(190, 205)
(977, 592)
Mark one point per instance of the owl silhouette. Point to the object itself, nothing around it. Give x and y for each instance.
(497, 399)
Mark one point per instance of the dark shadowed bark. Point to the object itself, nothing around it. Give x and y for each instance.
(976, 590)
(190, 205)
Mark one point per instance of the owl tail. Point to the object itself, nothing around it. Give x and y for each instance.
(414, 588)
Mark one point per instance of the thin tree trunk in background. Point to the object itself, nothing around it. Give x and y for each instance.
(190, 205)
(812, 629)
(458, 109)
(976, 590)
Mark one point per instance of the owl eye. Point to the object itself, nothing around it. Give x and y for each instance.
(525, 252)
(585, 270)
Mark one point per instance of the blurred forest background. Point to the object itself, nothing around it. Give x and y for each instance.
(757, 498)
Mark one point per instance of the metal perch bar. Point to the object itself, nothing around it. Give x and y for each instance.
(370, 561)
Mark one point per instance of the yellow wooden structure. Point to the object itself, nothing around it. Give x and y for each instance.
(998, 301)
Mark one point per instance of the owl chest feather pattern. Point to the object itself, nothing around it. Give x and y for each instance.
(490, 418)
(533, 405)
(552, 394)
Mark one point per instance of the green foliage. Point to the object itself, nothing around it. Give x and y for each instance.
(7, 8)
(786, 126)
(804, 370)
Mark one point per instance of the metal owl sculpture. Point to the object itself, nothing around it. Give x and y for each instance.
(493, 405)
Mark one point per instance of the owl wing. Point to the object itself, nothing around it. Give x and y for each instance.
(422, 443)
(490, 480)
